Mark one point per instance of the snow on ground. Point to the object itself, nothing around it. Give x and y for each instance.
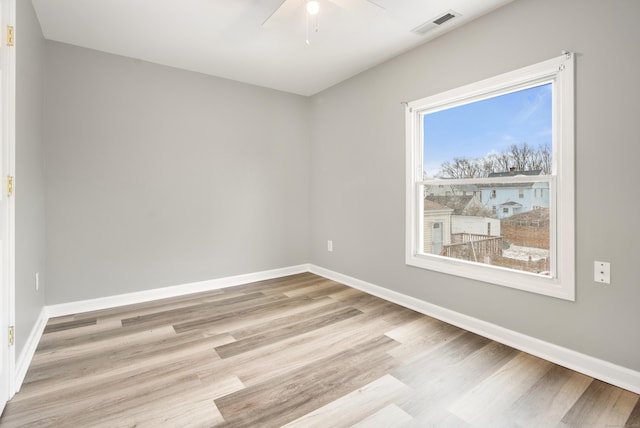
(523, 253)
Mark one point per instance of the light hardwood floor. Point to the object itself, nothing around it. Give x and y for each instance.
(299, 351)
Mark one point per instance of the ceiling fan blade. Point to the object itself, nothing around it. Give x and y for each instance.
(286, 8)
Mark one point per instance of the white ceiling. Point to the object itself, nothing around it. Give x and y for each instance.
(230, 39)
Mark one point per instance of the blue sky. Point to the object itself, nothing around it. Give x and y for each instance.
(489, 126)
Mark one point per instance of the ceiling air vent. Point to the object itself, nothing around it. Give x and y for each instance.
(434, 23)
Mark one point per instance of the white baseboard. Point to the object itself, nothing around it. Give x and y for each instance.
(172, 291)
(29, 349)
(594, 367)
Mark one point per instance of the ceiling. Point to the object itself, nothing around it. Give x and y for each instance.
(245, 40)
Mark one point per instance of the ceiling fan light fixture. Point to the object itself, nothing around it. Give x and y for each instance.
(313, 7)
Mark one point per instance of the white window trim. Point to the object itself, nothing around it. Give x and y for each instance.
(561, 284)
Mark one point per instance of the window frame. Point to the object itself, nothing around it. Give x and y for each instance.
(561, 284)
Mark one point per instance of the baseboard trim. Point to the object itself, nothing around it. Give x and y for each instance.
(71, 308)
(62, 309)
(591, 366)
(28, 351)
(599, 369)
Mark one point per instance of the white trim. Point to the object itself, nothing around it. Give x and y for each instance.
(166, 292)
(590, 366)
(29, 349)
(561, 283)
(8, 120)
(600, 369)
(131, 298)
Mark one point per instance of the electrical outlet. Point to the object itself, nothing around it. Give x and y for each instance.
(37, 281)
(602, 272)
(329, 245)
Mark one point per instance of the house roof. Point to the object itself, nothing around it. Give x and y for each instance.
(456, 202)
(514, 173)
(511, 174)
(430, 205)
(454, 187)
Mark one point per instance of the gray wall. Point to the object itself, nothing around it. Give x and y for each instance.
(29, 196)
(358, 172)
(157, 176)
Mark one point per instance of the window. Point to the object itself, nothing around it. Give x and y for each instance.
(464, 138)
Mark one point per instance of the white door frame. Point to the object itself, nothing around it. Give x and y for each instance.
(7, 203)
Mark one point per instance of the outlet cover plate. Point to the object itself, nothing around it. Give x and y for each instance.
(602, 272)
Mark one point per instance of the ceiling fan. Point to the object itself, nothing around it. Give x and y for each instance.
(289, 7)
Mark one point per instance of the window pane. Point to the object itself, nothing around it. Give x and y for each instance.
(495, 141)
(510, 132)
(507, 230)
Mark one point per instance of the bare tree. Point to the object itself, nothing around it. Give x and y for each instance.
(520, 157)
(489, 164)
(543, 159)
(460, 168)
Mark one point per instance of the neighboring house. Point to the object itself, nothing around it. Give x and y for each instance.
(475, 225)
(469, 215)
(437, 226)
(459, 227)
(505, 200)
(509, 208)
(452, 190)
(461, 204)
(447, 218)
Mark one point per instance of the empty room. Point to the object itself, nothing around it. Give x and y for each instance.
(331, 213)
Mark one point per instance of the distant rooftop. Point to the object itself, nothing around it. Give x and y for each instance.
(430, 205)
(514, 172)
(456, 202)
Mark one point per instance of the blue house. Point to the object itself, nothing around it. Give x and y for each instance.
(503, 200)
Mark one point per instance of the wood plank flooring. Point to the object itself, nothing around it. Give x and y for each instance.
(299, 351)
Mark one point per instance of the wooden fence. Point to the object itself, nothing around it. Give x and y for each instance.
(468, 246)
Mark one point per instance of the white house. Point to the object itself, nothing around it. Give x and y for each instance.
(437, 226)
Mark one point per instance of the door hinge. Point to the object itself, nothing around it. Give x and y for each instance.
(9, 185)
(10, 36)
(12, 336)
